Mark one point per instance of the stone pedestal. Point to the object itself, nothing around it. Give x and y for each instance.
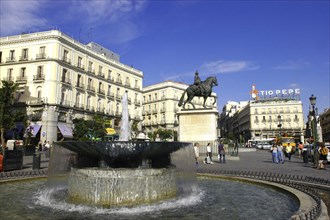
(198, 125)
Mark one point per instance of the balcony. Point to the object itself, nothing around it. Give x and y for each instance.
(21, 79)
(80, 66)
(111, 95)
(90, 70)
(89, 108)
(110, 79)
(100, 109)
(136, 102)
(80, 86)
(9, 79)
(154, 111)
(119, 81)
(117, 113)
(66, 60)
(65, 103)
(128, 84)
(137, 87)
(39, 77)
(90, 88)
(66, 80)
(41, 56)
(101, 91)
(118, 97)
(79, 106)
(162, 110)
(100, 74)
(10, 59)
(23, 58)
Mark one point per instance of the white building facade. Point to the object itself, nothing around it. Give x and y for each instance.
(60, 79)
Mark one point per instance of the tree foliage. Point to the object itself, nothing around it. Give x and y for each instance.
(164, 134)
(7, 115)
(89, 129)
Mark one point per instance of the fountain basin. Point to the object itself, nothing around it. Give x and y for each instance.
(116, 187)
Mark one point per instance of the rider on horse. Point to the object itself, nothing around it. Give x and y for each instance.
(198, 82)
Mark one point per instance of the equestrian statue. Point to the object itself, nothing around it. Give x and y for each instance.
(200, 89)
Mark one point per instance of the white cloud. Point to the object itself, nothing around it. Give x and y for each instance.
(221, 66)
(116, 18)
(292, 65)
(18, 16)
(109, 11)
(213, 68)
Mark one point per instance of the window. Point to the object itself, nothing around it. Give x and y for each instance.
(24, 54)
(156, 96)
(41, 54)
(23, 72)
(42, 50)
(90, 66)
(100, 69)
(64, 75)
(109, 74)
(40, 71)
(10, 74)
(65, 55)
(77, 99)
(0, 56)
(12, 55)
(79, 62)
(39, 92)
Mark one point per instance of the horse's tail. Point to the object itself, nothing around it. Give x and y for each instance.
(182, 98)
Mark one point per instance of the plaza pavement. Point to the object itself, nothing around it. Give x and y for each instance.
(255, 160)
(261, 161)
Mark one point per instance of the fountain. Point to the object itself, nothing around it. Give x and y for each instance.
(136, 180)
(122, 172)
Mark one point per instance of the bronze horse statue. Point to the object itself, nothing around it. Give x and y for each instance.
(194, 90)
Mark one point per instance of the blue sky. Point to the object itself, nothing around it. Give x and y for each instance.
(272, 44)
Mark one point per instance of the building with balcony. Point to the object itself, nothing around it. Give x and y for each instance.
(263, 118)
(160, 106)
(60, 79)
(325, 124)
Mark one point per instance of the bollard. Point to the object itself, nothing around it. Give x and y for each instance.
(36, 161)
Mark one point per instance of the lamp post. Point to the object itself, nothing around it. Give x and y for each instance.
(312, 101)
(279, 125)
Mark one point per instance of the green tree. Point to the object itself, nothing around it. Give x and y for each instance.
(164, 134)
(7, 115)
(89, 129)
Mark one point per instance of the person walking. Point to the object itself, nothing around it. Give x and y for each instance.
(196, 152)
(288, 150)
(221, 153)
(209, 151)
(300, 149)
(274, 154)
(280, 154)
(323, 151)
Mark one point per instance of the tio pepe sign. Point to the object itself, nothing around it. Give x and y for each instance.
(280, 92)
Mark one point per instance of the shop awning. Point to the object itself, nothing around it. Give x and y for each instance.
(65, 130)
(110, 131)
(36, 128)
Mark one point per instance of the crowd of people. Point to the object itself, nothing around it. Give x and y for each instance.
(319, 157)
(278, 153)
(208, 159)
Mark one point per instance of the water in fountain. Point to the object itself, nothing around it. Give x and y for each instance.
(125, 126)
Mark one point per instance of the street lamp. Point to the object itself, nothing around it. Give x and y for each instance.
(279, 124)
(312, 100)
